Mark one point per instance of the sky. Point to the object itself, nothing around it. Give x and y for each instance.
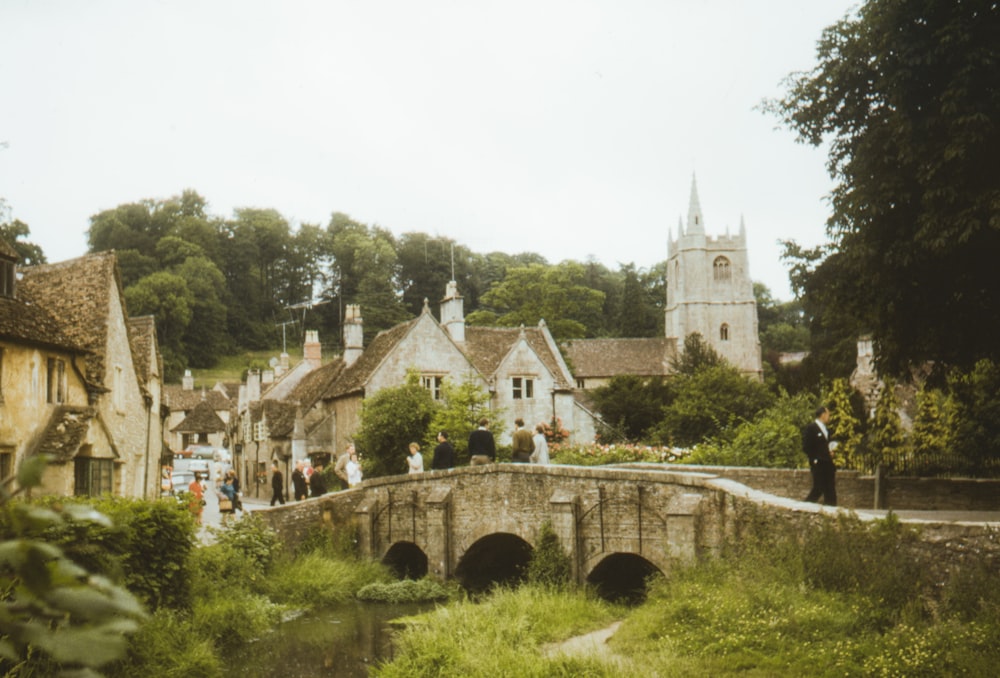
(569, 128)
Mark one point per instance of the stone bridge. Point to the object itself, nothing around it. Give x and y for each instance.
(617, 524)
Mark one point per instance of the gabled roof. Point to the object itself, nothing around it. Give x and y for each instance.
(486, 348)
(312, 387)
(142, 337)
(77, 293)
(202, 419)
(604, 358)
(179, 399)
(280, 416)
(65, 432)
(354, 378)
(24, 322)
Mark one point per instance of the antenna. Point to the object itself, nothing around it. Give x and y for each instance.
(305, 306)
(284, 344)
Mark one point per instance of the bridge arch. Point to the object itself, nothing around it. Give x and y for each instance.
(623, 577)
(406, 559)
(497, 558)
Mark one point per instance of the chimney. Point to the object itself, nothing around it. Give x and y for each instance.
(187, 381)
(312, 351)
(353, 334)
(453, 313)
(253, 386)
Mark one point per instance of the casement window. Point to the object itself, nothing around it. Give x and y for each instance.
(522, 388)
(56, 381)
(93, 477)
(433, 383)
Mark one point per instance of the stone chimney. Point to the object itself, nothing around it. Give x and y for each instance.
(187, 381)
(353, 334)
(253, 386)
(453, 313)
(312, 351)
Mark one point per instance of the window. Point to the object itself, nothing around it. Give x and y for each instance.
(721, 269)
(56, 385)
(432, 383)
(6, 278)
(523, 388)
(93, 477)
(581, 383)
(724, 332)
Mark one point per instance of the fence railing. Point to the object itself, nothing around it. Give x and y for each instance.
(926, 465)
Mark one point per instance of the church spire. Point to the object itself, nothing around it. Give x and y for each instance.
(696, 222)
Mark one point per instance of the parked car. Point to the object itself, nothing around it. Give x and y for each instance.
(181, 480)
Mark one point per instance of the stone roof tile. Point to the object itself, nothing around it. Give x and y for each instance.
(603, 358)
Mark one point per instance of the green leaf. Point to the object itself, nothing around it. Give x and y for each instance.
(86, 513)
(90, 646)
(29, 474)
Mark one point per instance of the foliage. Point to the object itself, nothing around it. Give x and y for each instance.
(710, 403)
(12, 232)
(632, 405)
(464, 404)
(933, 423)
(317, 580)
(253, 541)
(773, 439)
(976, 396)
(500, 636)
(403, 591)
(56, 617)
(391, 419)
(549, 564)
(696, 355)
(845, 427)
(555, 294)
(885, 434)
(169, 646)
(903, 93)
(616, 453)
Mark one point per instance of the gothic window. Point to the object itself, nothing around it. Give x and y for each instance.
(724, 332)
(523, 388)
(721, 269)
(433, 383)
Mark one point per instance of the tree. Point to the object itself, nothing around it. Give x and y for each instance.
(465, 403)
(551, 293)
(167, 297)
(976, 396)
(933, 424)
(905, 91)
(885, 435)
(697, 354)
(632, 405)
(12, 232)
(390, 420)
(844, 424)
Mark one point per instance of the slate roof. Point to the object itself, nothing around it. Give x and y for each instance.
(65, 432)
(603, 358)
(486, 347)
(179, 399)
(312, 387)
(142, 337)
(25, 322)
(280, 416)
(353, 378)
(77, 293)
(202, 419)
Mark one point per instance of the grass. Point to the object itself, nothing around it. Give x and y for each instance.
(232, 368)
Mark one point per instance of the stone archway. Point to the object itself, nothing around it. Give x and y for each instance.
(407, 560)
(499, 558)
(622, 577)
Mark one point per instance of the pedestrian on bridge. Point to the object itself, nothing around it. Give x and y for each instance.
(521, 443)
(277, 485)
(444, 453)
(541, 453)
(415, 460)
(817, 447)
(482, 447)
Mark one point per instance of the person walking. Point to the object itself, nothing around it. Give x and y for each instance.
(340, 469)
(317, 482)
(353, 469)
(444, 453)
(482, 447)
(277, 485)
(541, 453)
(521, 443)
(817, 447)
(227, 500)
(415, 460)
(299, 481)
(197, 504)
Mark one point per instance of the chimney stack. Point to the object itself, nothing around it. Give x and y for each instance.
(312, 351)
(353, 334)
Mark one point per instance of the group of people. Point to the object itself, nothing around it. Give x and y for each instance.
(303, 485)
(525, 447)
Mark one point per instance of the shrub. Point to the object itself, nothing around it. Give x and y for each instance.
(549, 564)
(403, 591)
(254, 540)
(315, 580)
(390, 420)
(168, 647)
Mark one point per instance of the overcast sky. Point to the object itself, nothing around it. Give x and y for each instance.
(568, 128)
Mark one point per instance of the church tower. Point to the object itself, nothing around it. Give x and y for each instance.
(709, 291)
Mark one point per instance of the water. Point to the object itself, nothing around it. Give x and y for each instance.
(343, 641)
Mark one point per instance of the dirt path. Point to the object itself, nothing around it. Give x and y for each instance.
(595, 642)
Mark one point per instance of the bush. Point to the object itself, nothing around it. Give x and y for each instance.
(549, 564)
(390, 420)
(404, 591)
(168, 647)
(252, 539)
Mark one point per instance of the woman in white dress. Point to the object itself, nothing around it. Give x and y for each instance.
(541, 453)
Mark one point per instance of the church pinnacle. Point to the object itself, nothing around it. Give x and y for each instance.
(695, 222)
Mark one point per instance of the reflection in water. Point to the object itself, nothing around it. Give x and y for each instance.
(342, 641)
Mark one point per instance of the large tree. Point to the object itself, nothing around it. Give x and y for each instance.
(906, 93)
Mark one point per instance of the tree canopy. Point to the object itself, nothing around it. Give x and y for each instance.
(905, 92)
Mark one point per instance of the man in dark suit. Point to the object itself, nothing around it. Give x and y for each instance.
(444, 453)
(482, 447)
(816, 445)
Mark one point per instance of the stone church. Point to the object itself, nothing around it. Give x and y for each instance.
(709, 291)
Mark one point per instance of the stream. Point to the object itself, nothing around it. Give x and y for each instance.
(343, 641)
